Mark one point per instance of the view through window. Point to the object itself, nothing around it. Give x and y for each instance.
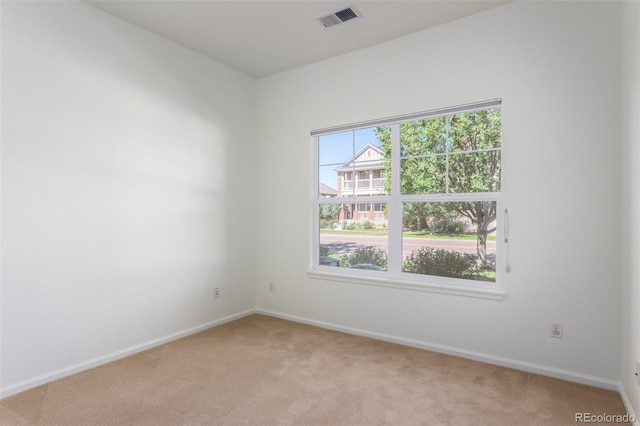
(413, 197)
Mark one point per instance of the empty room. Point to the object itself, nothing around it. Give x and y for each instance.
(319, 212)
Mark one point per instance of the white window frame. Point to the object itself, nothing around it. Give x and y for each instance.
(394, 277)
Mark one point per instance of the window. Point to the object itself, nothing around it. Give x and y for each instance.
(418, 198)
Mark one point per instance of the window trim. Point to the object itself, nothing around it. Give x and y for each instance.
(476, 106)
(394, 277)
(328, 273)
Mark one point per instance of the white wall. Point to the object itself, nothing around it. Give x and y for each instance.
(630, 160)
(555, 65)
(120, 202)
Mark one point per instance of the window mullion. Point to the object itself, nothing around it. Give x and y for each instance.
(354, 176)
(394, 254)
(446, 151)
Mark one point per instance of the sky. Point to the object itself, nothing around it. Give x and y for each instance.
(335, 149)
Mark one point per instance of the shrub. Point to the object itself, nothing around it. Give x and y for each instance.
(446, 225)
(326, 224)
(368, 254)
(356, 226)
(444, 263)
(348, 226)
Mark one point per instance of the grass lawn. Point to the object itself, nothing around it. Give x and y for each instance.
(422, 234)
(373, 232)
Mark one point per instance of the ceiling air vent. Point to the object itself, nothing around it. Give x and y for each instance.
(339, 16)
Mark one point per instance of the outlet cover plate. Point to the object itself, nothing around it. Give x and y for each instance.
(556, 329)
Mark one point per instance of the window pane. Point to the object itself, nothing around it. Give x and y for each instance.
(353, 236)
(423, 175)
(453, 154)
(423, 137)
(474, 172)
(450, 239)
(353, 163)
(471, 131)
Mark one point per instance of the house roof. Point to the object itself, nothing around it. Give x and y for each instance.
(327, 190)
(363, 163)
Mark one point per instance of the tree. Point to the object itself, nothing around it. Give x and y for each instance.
(452, 154)
(329, 215)
(330, 212)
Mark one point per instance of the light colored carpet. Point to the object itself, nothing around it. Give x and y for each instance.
(261, 370)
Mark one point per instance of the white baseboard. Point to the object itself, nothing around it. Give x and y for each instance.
(77, 368)
(627, 404)
(572, 376)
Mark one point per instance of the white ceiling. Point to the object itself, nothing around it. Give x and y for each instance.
(260, 38)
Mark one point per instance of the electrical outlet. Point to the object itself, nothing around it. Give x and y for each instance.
(216, 293)
(272, 287)
(556, 329)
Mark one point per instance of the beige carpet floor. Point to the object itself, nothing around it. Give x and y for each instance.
(261, 370)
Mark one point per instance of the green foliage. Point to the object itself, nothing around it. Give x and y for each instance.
(326, 224)
(367, 225)
(330, 212)
(346, 226)
(448, 225)
(368, 254)
(444, 263)
(414, 216)
(355, 226)
(424, 143)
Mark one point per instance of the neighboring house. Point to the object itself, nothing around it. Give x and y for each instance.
(363, 175)
(327, 191)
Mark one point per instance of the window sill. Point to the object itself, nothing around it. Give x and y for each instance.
(481, 293)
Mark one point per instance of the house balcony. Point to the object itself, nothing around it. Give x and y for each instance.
(376, 216)
(363, 186)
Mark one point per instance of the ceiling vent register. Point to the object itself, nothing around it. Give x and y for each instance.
(339, 16)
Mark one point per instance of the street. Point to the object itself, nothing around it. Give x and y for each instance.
(345, 244)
